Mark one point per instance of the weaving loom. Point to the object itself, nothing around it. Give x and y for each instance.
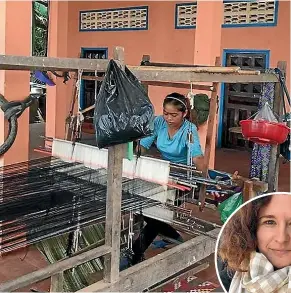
(172, 177)
(164, 182)
(47, 197)
(63, 194)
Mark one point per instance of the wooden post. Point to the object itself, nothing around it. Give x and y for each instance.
(275, 150)
(209, 136)
(248, 190)
(113, 202)
(57, 283)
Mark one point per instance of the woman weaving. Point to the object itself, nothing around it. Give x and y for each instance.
(171, 132)
(256, 246)
(171, 138)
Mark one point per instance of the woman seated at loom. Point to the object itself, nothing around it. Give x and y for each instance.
(171, 133)
(171, 138)
(256, 247)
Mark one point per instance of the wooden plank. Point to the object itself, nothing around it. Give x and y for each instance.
(98, 78)
(179, 85)
(57, 283)
(258, 186)
(54, 269)
(68, 123)
(248, 190)
(10, 62)
(236, 130)
(189, 273)
(146, 62)
(113, 200)
(209, 138)
(203, 69)
(160, 267)
(187, 76)
(88, 109)
(275, 150)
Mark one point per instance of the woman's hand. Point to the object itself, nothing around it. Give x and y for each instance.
(140, 149)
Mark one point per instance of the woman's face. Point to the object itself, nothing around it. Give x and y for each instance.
(173, 116)
(274, 230)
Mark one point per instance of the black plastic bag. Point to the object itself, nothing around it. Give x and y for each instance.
(123, 111)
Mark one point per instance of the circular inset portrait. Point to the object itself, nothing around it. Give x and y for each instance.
(253, 251)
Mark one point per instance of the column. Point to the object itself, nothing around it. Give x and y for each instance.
(58, 97)
(207, 47)
(15, 39)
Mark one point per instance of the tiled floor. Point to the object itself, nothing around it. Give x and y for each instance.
(234, 160)
(22, 262)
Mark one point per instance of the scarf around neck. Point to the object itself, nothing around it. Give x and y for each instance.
(261, 278)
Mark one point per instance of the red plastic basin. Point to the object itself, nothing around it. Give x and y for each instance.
(264, 132)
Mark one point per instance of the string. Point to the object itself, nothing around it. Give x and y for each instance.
(38, 203)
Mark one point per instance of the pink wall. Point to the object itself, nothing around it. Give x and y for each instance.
(164, 43)
(168, 45)
(179, 46)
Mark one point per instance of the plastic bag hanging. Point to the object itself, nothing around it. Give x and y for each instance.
(266, 114)
(123, 111)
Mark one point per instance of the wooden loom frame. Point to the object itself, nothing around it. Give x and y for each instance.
(164, 265)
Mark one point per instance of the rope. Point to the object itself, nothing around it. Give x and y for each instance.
(12, 111)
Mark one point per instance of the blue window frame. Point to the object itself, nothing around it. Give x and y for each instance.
(187, 19)
(114, 19)
(254, 24)
(99, 52)
(191, 23)
(222, 89)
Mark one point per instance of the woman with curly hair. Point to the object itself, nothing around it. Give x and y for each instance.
(255, 245)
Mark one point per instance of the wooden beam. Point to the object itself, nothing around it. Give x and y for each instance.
(160, 267)
(54, 269)
(258, 186)
(179, 85)
(113, 200)
(98, 78)
(275, 150)
(209, 138)
(88, 109)
(248, 190)
(189, 273)
(9, 62)
(57, 283)
(172, 74)
(198, 69)
(188, 76)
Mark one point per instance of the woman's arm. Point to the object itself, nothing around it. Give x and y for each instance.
(196, 151)
(146, 142)
(198, 162)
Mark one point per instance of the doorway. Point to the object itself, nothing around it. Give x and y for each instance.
(240, 100)
(90, 88)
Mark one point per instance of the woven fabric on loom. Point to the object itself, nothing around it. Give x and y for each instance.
(48, 202)
(261, 154)
(48, 197)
